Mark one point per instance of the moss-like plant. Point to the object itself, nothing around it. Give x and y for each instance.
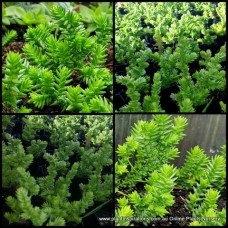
(220, 28)
(14, 85)
(143, 160)
(55, 55)
(8, 37)
(152, 143)
(167, 40)
(64, 162)
(156, 198)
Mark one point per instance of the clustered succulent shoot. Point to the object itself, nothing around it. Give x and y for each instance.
(62, 65)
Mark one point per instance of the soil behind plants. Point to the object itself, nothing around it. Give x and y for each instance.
(17, 45)
(178, 212)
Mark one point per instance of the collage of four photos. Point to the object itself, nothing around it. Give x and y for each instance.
(113, 114)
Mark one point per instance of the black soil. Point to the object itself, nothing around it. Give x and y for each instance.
(177, 212)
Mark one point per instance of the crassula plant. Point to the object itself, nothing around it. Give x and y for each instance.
(160, 135)
(167, 50)
(62, 65)
(56, 168)
(153, 202)
(144, 160)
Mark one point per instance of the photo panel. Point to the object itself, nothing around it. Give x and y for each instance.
(170, 57)
(57, 57)
(170, 170)
(57, 170)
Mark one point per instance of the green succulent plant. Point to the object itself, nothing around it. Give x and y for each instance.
(166, 39)
(53, 53)
(60, 171)
(144, 179)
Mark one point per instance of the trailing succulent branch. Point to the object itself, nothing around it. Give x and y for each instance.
(198, 91)
(14, 156)
(51, 55)
(199, 167)
(208, 209)
(193, 168)
(84, 152)
(160, 135)
(9, 37)
(213, 178)
(206, 176)
(152, 103)
(153, 202)
(14, 85)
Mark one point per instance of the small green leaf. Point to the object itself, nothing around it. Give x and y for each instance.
(123, 202)
(23, 109)
(15, 11)
(125, 212)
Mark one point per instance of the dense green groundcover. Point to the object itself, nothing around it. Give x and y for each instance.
(56, 170)
(63, 61)
(170, 54)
